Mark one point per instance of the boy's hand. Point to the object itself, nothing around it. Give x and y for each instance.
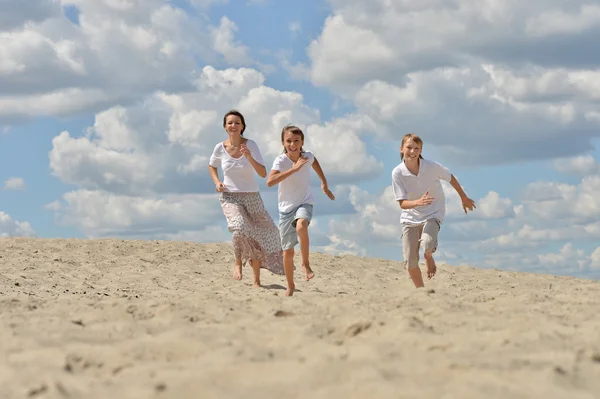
(425, 199)
(327, 191)
(468, 203)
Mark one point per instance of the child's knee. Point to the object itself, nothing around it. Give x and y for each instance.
(428, 243)
(288, 252)
(301, 224)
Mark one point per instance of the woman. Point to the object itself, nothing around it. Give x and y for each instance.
(255, 236)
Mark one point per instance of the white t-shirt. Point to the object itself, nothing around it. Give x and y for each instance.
(407, 186)
(238, 173)
(295, 189)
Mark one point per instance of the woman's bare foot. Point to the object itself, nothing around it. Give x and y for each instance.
(431, 267)
(256, 284)
(237, 272)
(308, 273)
(290, 290)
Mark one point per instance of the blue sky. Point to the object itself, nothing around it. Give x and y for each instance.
(109, 109)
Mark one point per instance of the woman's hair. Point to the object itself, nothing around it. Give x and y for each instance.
(238, 114)
(413, 137)
(294, 130)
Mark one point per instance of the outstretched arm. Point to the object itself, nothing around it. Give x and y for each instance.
(467, 203)
(317, 167)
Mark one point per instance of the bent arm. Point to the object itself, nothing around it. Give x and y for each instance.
(214, 174)
(260, 169)
(275, 176)
(408, 204)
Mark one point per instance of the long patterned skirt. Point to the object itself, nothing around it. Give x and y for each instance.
(255, 235)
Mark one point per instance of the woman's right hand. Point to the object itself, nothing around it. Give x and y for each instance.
(425, 199)
(220, 187)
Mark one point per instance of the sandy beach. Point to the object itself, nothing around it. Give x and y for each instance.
(148, 319)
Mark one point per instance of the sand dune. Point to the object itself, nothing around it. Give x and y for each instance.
(147, 319)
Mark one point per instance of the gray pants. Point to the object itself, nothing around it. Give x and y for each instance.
(413, 235)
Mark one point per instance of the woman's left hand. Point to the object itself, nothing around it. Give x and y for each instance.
(245, 151)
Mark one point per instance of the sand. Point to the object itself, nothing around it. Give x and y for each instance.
(147, 319)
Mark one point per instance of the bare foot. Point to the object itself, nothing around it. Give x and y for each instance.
(237, 272)
(257, 284)
(290, 290)
(431, 267)
(308, 273)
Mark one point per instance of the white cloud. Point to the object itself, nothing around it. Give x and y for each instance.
(595, 259)
(10, 227)
(472, 104)
(148, 155)
(388, 39)
(99, 213)
(550, 201)
(420, 68)
(204, 4)
(162, 144)
(15, 13)
(567, 256)
(118, 52)
(14, 183)
(225, 44)
(295, 28)
(583, 165)
(297, 71)
(557, 22)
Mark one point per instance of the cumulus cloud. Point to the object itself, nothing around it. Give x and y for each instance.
(472, 78)
(100, 213)
(161, 146)
(225, 44)
(15, 13)
(548, 201)
(583, 165)
(14, 183)
(390, 39)
(116, 53)
(10, 227)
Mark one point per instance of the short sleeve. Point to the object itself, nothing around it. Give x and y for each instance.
(215, 157)
(310, 156)
(278, 164)
(398, 186)
(255, 151)
(442, 172)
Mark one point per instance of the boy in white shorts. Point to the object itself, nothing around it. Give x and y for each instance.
(417, 188)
